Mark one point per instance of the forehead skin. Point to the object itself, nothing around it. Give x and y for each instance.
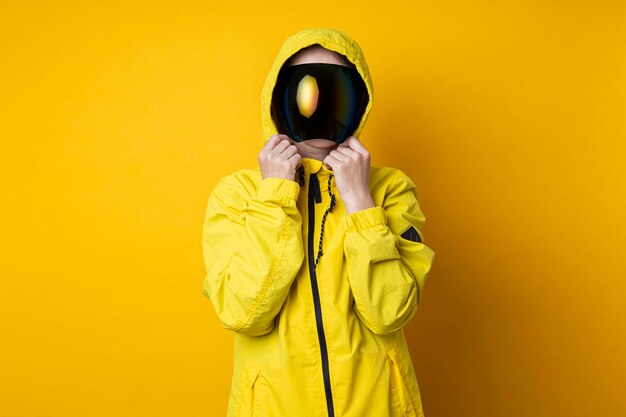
(317, 54)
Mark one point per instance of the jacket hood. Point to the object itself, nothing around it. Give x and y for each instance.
(332, 39)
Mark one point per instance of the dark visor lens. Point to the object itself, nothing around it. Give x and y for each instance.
(312, 101)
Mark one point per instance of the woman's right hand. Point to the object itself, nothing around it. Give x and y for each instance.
(279, 158)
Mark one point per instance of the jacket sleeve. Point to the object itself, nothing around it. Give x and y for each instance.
(252, 249)
(387, 263)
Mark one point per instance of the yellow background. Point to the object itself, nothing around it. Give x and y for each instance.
(117, 120)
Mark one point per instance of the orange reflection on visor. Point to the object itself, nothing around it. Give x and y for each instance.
(307, 96)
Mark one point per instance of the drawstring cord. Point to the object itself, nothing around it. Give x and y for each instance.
(328, 210)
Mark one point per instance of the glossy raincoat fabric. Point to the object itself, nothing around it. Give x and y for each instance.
(321, 340)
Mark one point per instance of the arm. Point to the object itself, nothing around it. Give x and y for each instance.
(252, 248)
(387, 262)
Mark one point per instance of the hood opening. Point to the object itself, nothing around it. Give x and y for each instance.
(344, 59)
(331, 39)
(337, 112)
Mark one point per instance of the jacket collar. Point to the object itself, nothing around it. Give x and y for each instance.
(314, 166)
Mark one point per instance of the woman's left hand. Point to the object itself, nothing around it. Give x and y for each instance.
(351, 165)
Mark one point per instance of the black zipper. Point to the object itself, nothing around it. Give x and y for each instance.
(315, 196)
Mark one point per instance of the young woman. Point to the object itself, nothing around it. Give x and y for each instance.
(316, 259)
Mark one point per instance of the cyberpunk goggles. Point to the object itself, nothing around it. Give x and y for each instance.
(318, 101)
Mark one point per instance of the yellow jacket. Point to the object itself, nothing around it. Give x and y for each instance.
(321, 340)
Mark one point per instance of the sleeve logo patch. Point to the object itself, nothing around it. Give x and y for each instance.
(412, 235)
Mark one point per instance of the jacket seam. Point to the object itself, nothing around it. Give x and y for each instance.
(269, 280)
(282, 195)
(365, 311)
(357, 221)
(405, 378)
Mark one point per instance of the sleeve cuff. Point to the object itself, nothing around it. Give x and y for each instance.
(362, 219)
(279, 189)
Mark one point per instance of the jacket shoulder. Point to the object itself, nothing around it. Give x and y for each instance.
(232, 191)
(388, 177)
(242, 183)
(400, 195)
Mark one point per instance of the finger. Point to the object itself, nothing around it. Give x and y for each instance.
(355, 144)
(338, 155)
(349, 153)
(271, 142)
(330, 162)
(290, 151)
(282, 145)
(286, 137)
(296, 158)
